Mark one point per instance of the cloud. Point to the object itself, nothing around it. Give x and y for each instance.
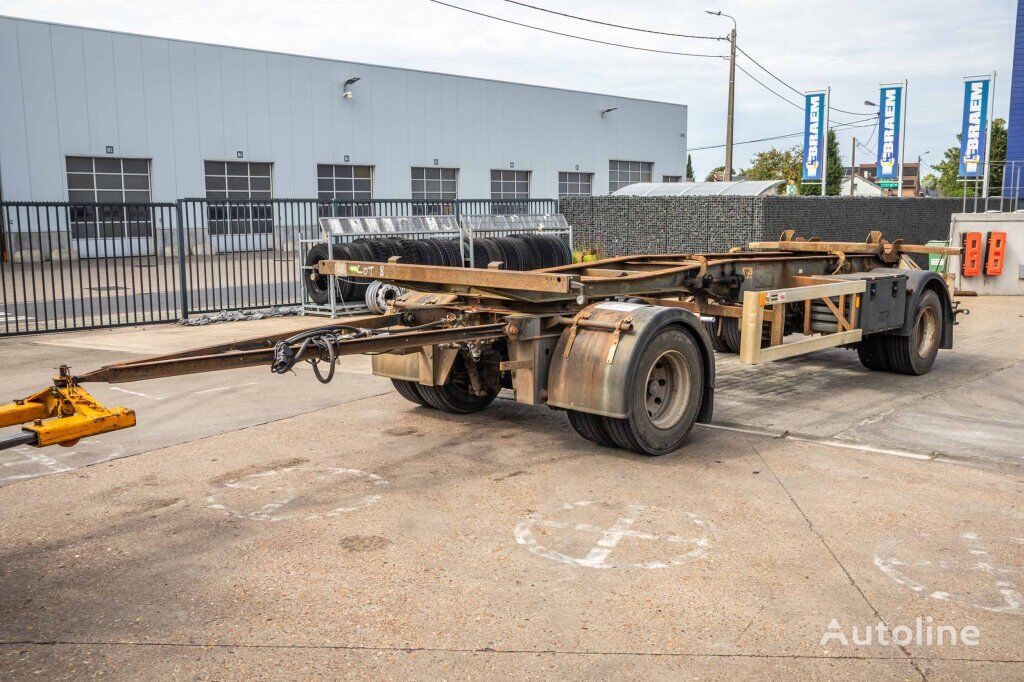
(851, 47)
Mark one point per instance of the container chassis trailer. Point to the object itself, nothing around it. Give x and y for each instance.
(625, 346)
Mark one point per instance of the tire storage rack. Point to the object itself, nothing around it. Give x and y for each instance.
(423, 239)
(519, 242)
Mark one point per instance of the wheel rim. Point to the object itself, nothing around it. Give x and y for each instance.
(927, 331)
(667, 389)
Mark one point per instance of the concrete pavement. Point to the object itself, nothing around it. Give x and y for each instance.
(358, 535)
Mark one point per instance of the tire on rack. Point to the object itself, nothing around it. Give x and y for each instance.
(915, 354)
(344, 287)
(509, 253)
(410, 391)
(453, 251)
(317, 286)
(533, 258)
(666, 388)
(591, 427)
(360, 251)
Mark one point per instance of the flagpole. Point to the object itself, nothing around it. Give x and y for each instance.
(988, 133)
(903, 137)
(824, 146)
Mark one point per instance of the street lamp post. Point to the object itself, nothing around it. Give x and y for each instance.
(732, 92)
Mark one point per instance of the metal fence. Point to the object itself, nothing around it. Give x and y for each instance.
(1001, 193)
(82, 266)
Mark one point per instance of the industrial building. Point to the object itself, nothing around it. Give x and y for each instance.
(93, 115)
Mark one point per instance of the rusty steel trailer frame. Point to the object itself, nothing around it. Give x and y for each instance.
(453, 310)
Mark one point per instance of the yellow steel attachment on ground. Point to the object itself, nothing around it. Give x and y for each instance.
(64, 413)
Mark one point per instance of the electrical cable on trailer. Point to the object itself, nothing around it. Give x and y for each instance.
(325, 341)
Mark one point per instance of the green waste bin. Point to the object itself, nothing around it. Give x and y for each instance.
(937, 261)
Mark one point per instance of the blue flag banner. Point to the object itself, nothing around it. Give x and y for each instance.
(814, 136)
(973, 134)
(890, 120)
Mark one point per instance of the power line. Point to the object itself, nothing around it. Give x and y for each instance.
(767, 71)
(776, 137)
(576, 37)
(782, 97)
(606, 23)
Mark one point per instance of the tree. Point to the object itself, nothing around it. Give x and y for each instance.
(834, 172)
(949, 183)
(929, 181)
(717, 170)
(778, 164)
(689, 167)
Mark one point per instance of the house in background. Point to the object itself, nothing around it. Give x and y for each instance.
(911, 179)
(862, 187)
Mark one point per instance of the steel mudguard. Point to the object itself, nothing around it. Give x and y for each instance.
(596, 374)
(919, 281)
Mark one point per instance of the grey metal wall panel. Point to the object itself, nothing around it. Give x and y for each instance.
(70, 90)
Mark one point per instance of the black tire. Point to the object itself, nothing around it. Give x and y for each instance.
(729, 334)
(410, 391)
(434, 252)
(534, 261)
(344, 287)
(317, 286)
(360, 250)
(871, 354)
(454, 399)
(591, 427)
(716, 340)
(509, 253)
(667, 387)
(915, 354)
(455, 396)
(454, 253)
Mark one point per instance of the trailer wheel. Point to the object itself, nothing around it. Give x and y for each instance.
(591, 427)
(668, 382)
(455, 396)
(716, 341)
(871, 354)
(915, 354)
(410, 391)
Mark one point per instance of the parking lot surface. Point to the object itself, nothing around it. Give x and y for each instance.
(262, 526)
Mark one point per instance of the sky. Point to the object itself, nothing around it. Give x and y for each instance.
(851, 47)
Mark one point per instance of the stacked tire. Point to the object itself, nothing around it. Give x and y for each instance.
(522, 252)
(353, 290)
(517, 252)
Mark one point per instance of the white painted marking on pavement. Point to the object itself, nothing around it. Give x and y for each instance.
(611, 537)
(224, 388)
(138, 393)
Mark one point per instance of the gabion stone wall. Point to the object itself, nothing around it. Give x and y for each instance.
(849, 219)
(625, 225)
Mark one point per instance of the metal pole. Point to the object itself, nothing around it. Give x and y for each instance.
(903, 136)
(853, 164)
(732, 104)
(824, 157)
(988, 133)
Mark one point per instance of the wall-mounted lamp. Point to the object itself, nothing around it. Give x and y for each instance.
(608, 111)
(346, 87)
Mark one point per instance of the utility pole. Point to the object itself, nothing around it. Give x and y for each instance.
(732, 104)
(853, 164)
(732, 93)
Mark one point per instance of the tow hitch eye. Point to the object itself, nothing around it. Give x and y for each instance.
(60, 415)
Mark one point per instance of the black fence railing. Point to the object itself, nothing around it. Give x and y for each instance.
(80, 266)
